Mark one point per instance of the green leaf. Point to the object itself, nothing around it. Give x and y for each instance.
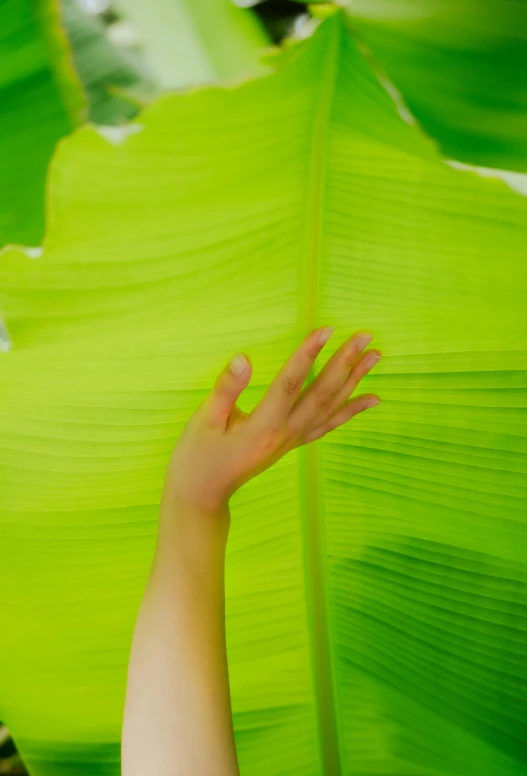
(376, 580)
(195, 41)
(42, 98)
(41, 101)
(461, 66)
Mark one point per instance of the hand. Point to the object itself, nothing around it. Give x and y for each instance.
(222, 447)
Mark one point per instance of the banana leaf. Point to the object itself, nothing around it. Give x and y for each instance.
(41, 101)
(376, 580)
(461, 66)
(43, 98)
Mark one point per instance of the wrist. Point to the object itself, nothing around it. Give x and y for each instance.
(189, 536)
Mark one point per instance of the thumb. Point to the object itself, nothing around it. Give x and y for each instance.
(227, 388)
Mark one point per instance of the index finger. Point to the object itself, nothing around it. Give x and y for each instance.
(273, 410)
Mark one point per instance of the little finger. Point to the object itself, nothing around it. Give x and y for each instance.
(348, 411)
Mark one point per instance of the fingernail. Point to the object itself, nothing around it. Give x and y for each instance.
(325, 334)
(238, 364)
(372, 403)
(373, 358)
(364, 340)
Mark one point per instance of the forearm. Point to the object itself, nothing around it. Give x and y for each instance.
(178, 716)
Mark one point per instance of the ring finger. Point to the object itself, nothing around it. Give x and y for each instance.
(315, 402)
(364, 365)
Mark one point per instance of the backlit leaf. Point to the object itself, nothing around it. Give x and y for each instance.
(376, 579)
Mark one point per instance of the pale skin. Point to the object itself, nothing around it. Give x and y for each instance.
(178, 717)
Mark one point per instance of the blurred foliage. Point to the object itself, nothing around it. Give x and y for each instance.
(461, 66)
(41, 100)
(110, 74)
(10, 761)
(279, 17)
(47, 89)
(195, 42)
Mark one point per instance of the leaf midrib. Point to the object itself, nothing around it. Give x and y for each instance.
(313, 539)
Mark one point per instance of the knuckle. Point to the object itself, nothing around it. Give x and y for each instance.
(330, 414)
(323, 403)
(349, 360)
(291, 384)
(330, 411)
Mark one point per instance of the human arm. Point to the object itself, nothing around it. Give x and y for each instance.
(177, 714)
